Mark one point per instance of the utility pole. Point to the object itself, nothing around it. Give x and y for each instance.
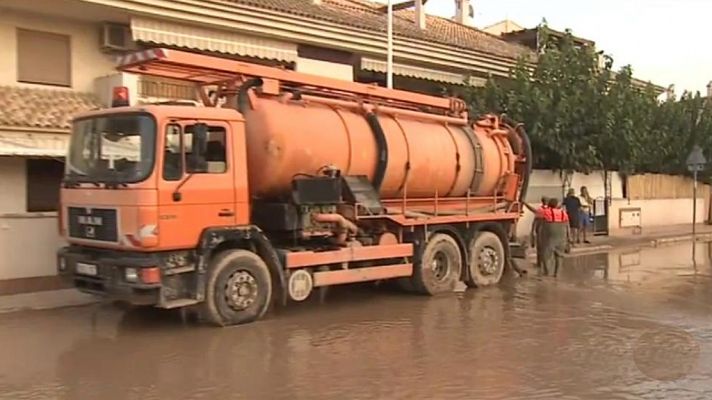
(389, 49)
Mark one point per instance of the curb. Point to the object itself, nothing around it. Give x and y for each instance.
(663, 241)
(684, 238)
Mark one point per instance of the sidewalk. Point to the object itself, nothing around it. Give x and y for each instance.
(651, 237)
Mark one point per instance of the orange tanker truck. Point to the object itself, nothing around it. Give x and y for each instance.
(280, 183)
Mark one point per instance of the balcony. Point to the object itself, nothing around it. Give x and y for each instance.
(153, 89)
(145, 89)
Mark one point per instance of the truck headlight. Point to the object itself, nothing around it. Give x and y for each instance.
(131, 275)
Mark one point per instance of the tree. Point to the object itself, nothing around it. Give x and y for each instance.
(582, 116)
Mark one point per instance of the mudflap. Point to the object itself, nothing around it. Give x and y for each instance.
(517, 250)
(517, 257)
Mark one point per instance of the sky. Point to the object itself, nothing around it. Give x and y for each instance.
(663, 40)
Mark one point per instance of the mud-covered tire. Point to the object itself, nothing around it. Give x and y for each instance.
(239, 288)
(440, 266)
(487, 260)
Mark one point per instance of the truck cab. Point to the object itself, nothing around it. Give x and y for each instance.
(132, 172)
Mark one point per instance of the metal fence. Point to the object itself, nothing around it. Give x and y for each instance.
(152, 87)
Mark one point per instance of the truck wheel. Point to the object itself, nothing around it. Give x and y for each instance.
(239, 288)
(440, 266)
(487, 260)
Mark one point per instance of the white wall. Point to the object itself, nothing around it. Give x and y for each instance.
(654, 213)
(657, 212)
(28, 241)
(551, 183)
(326, 69)
(28, 245)
(104, 87)
(87, 62)
(14, 188)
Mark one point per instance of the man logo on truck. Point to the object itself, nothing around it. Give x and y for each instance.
(90, 220)
(90, 232)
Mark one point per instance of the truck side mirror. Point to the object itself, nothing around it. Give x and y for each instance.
(197, 160)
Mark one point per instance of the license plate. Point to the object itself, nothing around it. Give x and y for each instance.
(86, 269)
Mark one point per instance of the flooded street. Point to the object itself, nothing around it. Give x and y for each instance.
(625, 325)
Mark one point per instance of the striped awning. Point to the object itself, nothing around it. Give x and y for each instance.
(192, 37)
(25, 144)
(371, 64)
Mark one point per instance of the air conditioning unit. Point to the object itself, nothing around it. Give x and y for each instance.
(116, 37)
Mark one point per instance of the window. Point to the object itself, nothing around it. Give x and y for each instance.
(215, 153)
(44, 178)
(172, 155)
(214, 156)
(43, 58)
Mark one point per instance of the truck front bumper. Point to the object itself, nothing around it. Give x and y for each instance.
(133, 278)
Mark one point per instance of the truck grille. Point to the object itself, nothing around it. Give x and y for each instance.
(93, 224)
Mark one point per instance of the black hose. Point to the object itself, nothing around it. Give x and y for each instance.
(519, 128)
(529, 165)
(242, 93)
(382, 145)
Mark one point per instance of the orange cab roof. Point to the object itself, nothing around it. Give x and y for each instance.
(188, 112)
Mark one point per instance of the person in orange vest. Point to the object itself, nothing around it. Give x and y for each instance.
(554, 235)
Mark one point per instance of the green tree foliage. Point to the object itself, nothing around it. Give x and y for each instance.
(581, 115)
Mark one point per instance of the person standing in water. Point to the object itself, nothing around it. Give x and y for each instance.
(534, 235)
(586, 210)
(573, 208)
(553, 237)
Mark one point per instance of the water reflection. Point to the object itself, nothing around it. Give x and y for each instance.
(599, 331)
(641, 265)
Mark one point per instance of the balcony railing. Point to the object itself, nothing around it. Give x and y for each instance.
(161, 88)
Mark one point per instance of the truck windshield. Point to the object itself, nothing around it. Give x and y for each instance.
(112, 149)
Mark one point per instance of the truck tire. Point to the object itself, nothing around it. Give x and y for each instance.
(487, 260)
(239, 288)
(440, 266)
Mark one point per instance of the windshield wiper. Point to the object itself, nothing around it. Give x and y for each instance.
(75, 183)
(115, 185)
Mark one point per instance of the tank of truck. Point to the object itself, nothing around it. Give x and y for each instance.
(427, 155)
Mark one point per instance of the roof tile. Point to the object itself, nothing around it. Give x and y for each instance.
(42, 108)
(364, 14)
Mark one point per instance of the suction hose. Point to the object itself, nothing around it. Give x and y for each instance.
(242, 99)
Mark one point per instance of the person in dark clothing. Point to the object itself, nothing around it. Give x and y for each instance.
(535, 237)
(573, 208)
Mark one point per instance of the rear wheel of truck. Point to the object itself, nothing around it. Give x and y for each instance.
(239, 288)
(440, 266)
(487, 260)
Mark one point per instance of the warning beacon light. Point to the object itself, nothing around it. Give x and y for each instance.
(120, 96)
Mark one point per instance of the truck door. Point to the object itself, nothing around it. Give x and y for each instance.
(193, 196)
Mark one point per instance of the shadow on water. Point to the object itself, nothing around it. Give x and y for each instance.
(621, 326)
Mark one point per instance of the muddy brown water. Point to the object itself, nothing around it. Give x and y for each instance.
(625, 325)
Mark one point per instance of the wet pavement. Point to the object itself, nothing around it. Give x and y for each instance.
(625, 325)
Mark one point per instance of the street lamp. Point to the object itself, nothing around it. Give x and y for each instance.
(389, 47)
(696, 162)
